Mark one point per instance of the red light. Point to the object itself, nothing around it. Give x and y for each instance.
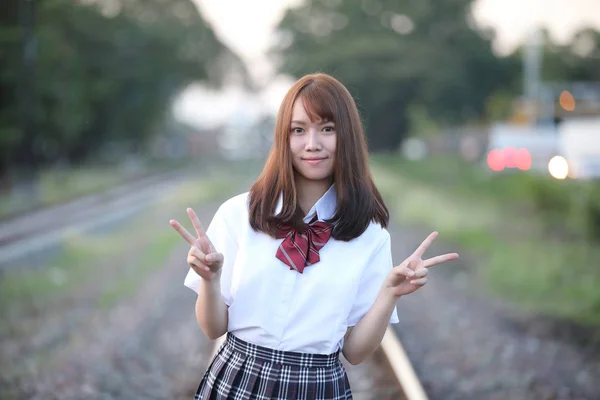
(499, 159)
(523, 159)
(495, 160)
(510, 155)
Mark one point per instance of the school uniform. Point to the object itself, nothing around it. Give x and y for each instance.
(287, 322)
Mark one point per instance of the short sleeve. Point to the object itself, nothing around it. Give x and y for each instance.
(372, 279)
(224, 241)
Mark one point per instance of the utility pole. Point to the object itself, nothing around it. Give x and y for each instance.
(532, 61)
(26, 93)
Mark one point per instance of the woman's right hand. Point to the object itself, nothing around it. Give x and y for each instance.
(202, 257)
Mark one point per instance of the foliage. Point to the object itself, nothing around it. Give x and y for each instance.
(407, 62)
(569, 209)
(574, 61)
(395, 55)
(535, 240)
(96, 73)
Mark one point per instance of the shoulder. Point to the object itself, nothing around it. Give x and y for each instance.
(374, 237)
(237, 201)
(235, 207)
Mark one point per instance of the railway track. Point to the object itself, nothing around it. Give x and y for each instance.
(38, 231)
(401, 367)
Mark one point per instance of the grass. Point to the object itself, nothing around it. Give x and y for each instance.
(157, 251)
(457, 177)
(491, 216)
(50, 304)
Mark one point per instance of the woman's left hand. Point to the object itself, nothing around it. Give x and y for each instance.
(412, 273)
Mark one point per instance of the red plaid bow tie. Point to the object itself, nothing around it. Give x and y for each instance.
(301, 249)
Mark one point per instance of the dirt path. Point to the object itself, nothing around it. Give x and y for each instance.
(465, 345)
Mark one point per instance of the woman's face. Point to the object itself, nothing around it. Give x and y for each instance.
(312, 144)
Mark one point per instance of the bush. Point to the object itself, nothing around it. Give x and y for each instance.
(592, 212)
(570, 208)
(552, 199)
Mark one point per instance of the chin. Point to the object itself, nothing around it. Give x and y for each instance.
(318, 178)
(314, 176)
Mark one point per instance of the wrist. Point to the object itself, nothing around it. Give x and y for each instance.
(388, 296)
(214, 281)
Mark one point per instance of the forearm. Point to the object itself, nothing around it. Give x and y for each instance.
(211, 310)
(366, 336)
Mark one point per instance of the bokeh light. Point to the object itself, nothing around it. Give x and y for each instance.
(523, 159)
(510, 157)
(495, 160)
(567, 101)
(558, 167)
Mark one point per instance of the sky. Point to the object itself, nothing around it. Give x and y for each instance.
(246, 27)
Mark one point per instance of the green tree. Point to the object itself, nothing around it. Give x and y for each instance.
(578, 60)
(104, 72)
(393, 55)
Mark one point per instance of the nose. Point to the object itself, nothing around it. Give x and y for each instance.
(313, 140)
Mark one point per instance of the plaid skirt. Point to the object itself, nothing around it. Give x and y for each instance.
(241, 370)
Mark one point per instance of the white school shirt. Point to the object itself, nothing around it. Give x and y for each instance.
(273, 306)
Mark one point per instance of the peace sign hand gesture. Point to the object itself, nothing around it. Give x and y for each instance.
(202, 257)
(412, 273)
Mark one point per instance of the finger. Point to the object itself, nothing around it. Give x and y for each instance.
(198, 253)
(425, 245)
(430, 262)
(405, 271)
(421, 273)
(195, 263)
(419, 282)
(414, 263)
(188, 237)
(196, 222)
(214, 258)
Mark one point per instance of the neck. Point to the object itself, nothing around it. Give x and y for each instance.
(310, 191)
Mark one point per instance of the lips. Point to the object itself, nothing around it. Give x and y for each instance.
(314, 161)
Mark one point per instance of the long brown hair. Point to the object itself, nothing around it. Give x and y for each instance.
(358, 200)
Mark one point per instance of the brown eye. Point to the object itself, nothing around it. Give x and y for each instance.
(297, 130)
(329, 129)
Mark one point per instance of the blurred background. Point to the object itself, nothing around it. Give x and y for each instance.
(482, 117)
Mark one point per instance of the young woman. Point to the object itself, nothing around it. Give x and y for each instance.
(300, 267)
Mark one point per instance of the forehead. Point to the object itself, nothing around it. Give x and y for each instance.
(299, 112)
(305, 110)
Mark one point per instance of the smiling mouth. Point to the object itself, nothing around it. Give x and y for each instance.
(314, 159)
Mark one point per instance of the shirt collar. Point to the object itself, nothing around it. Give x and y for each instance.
(324, 207)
